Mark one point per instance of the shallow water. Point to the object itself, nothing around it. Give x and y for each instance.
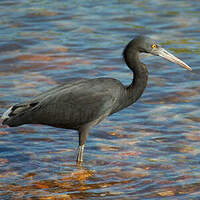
(149, 150)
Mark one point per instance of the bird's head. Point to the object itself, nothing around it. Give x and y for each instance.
(145, 44)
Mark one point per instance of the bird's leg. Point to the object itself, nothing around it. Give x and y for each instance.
(80, 154)
(83, 133)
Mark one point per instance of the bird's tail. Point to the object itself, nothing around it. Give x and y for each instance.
(17, 114)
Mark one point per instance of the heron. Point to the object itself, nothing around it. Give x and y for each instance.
(83, 103)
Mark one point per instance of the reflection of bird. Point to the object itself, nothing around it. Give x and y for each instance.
(81, 104)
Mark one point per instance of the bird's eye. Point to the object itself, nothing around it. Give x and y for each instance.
(154, 46)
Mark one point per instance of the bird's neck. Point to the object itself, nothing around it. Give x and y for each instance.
(140, 77)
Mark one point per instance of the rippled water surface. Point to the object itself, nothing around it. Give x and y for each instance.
(150, 150)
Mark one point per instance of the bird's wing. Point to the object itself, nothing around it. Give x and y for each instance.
(76, 105)
(68, 106)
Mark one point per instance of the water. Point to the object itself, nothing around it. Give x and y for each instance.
(149, 150)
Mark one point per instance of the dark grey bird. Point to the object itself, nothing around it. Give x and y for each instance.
(81, 104)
